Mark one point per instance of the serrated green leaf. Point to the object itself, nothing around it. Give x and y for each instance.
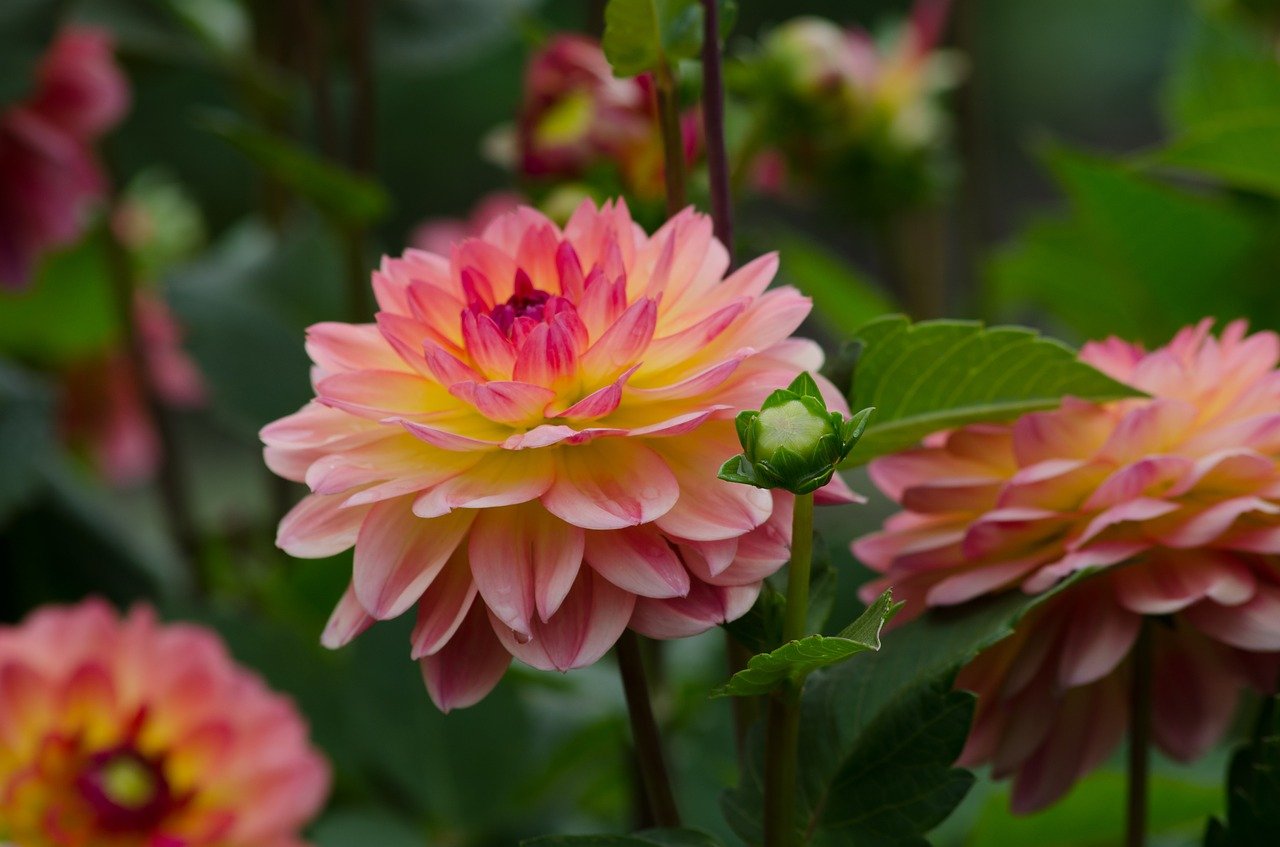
(1253, 789)
(641, 36)
(26, 28)
(1239, 149)
(797, 659)
(647, 838)
(340, 194)
(936, 375)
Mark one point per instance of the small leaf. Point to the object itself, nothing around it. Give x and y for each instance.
(642, 36)
(1253, 786)
(647, 838)
(342, 195)
(797, 659)
(937, 375)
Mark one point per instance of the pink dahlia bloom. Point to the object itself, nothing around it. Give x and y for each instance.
(438, 235)
(525, 444)
(128, 733)
(49, 174)
(577, 115)
(1175, 499)
(103, 409)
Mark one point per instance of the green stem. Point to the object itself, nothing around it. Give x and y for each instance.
(782, 733)
(644, 733)
(1139, 740)
(672, 139)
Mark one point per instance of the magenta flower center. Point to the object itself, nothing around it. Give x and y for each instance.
(527, 302)
(126, 791)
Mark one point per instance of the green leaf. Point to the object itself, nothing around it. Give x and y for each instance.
(843, 298)
(647, 838)
(26, 29)
(1092, 816)
(878, 736)
(364, 828)
(642, 36)
(1228, 68)
(1240, 150)
(340, 194)
(937, 375)
(1253, 789)
(797, 659)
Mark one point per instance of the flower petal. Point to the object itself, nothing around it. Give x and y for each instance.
(444, 605)
(586, 625)
(638, 559)
(398, 554)
(611, 484)
(467, 668)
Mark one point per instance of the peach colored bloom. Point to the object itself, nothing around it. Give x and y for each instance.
(49, 174)
(576, 116)
(437, 235)
(128, 733)
(536, 401)
(1176, 499)
(102, 407)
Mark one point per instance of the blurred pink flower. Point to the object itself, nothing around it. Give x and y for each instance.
(536, 400)
(1176, 498)
(104, 410)
(577, 115)
(49, 174)
(438, 235)
(129, 733)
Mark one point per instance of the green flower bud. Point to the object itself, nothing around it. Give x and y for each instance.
(793, 442)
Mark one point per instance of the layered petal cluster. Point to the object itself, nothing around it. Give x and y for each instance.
(525, 444)
(49, 173)
(129, 733)
(1175, 498)
(103, 410)
(576, 115)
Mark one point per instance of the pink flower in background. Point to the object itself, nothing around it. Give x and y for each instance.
(525, 444)
(104, 410)
(129, 733)
(1175, 498)
(438, 235)
(576, 115)
(49, 174)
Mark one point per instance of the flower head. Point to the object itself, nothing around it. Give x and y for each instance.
(49, 174)
(525, 444)
(1176, 498)
(129, 733)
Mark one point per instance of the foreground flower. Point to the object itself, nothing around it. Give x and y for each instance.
(1176, 498)
(103, 409)
(127, 733)
(49, 174)
(577, 116)
(525, 445)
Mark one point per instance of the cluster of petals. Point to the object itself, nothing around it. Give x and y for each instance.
(525, 443)
(123, 732)
(1171, 502)
(104, 411)
(49, 174)
(576, 115)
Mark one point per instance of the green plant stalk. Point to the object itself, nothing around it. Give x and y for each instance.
(1140, 705)
(672, 139)
(782, 733)
(650, 759)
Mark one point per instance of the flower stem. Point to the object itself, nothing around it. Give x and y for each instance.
(713, 124)
(672, 139)
(644, 732)
(782, 733)
(1139, 739)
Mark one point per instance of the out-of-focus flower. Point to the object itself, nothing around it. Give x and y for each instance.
(525, 445)
(1176, 498)
(128, 733)
(842, 104)
(104, 410)
(49, 174)
(577, 117)
(438, 235)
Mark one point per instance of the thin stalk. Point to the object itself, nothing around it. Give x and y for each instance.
(713, 124)
(782, 733)
(672, 139)
(171, 475)
(644, 733)
(1139, 740)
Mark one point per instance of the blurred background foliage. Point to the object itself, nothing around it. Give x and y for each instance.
(1112, 170)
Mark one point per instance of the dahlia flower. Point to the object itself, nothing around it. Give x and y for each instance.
(128, 733)
(525, 444)
(49, 174)
(1174, 498)
(577, 115)
(103, 409)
